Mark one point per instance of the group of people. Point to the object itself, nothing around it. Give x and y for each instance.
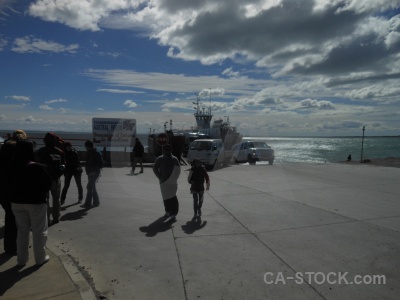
(28, 177)
(167, 170)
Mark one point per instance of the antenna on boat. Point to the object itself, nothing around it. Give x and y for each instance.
(209, 101)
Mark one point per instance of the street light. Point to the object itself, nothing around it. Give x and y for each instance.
(362, 144)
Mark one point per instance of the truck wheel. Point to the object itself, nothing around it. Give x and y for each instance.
(270, 162)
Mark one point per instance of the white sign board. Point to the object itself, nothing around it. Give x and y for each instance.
(113, 132)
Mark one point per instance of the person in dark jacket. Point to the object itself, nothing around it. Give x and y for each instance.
(137, 156)
(197, 176)
(29, 186)
(167, 169)
(45, 155)
(7, 152)
(93, 169)
(72, 168)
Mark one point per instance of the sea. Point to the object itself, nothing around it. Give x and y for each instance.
(287, 149)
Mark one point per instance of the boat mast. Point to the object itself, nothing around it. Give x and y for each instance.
(203, 118)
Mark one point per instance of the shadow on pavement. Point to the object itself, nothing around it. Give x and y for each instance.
(11, 276)
(68, 206)
(193, 225)
(157, 226)
(76, 215)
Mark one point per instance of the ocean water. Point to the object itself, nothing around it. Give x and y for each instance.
(287, 149)
(330, 149)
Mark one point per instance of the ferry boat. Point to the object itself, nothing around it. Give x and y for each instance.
(180, 140)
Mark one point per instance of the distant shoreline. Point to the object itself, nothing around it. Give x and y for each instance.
(381, 162)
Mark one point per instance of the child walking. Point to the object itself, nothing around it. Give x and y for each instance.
(196, 178)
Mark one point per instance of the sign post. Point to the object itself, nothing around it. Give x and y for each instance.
(162, 139)
(112, 132)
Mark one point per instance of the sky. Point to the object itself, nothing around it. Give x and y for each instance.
(274, 67)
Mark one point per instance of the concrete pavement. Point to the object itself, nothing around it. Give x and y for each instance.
(328, 231)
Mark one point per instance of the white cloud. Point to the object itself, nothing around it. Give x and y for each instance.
(45, 107)
(3, 44)
(20, 98)
(83, 15)
(316, 104)
(130, 103)
(56, 101)
(116, 91)
(30, 44)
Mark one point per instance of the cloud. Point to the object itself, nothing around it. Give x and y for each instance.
(116, 91)
(31, 119)
(181, 83)
(82, 15)
(55, 101)
(45, 107)
(3, 44)
(315, 104)
(30, 44)
(19, 98)
(130, 103)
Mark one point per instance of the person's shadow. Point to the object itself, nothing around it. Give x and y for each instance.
(68, 206)
(193, 225)
(76, 215)
(159, 225)
(11, 276)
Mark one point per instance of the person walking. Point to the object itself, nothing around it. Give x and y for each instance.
(93, 166)
(30, 184)
(72, 168)
(167, 169)
(54, 159)
(197, 176)
(137, 156)
(7, 152)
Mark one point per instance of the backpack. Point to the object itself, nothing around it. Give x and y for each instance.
(54, 166)
(99, 160)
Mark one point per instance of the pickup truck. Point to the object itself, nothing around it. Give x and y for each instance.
(211, 152)
(252, 151)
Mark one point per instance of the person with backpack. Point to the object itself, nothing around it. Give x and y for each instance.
(54, 160)
(94, 164)
(72, 168)
(197, 176)
(137, 153)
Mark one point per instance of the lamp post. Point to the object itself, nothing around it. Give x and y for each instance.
(362, 144)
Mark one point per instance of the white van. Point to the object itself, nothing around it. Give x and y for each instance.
(211, 152)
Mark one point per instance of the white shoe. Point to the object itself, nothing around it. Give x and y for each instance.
(167, 214)
(46, 259)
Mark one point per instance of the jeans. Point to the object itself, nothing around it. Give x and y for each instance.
(10, 230)
(91, 191)
(171, 206)
(67, 182)
(197, 201)
(137, 160)
(55, 192)
(27, 217)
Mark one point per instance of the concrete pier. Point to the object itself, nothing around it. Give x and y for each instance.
(301, 231)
